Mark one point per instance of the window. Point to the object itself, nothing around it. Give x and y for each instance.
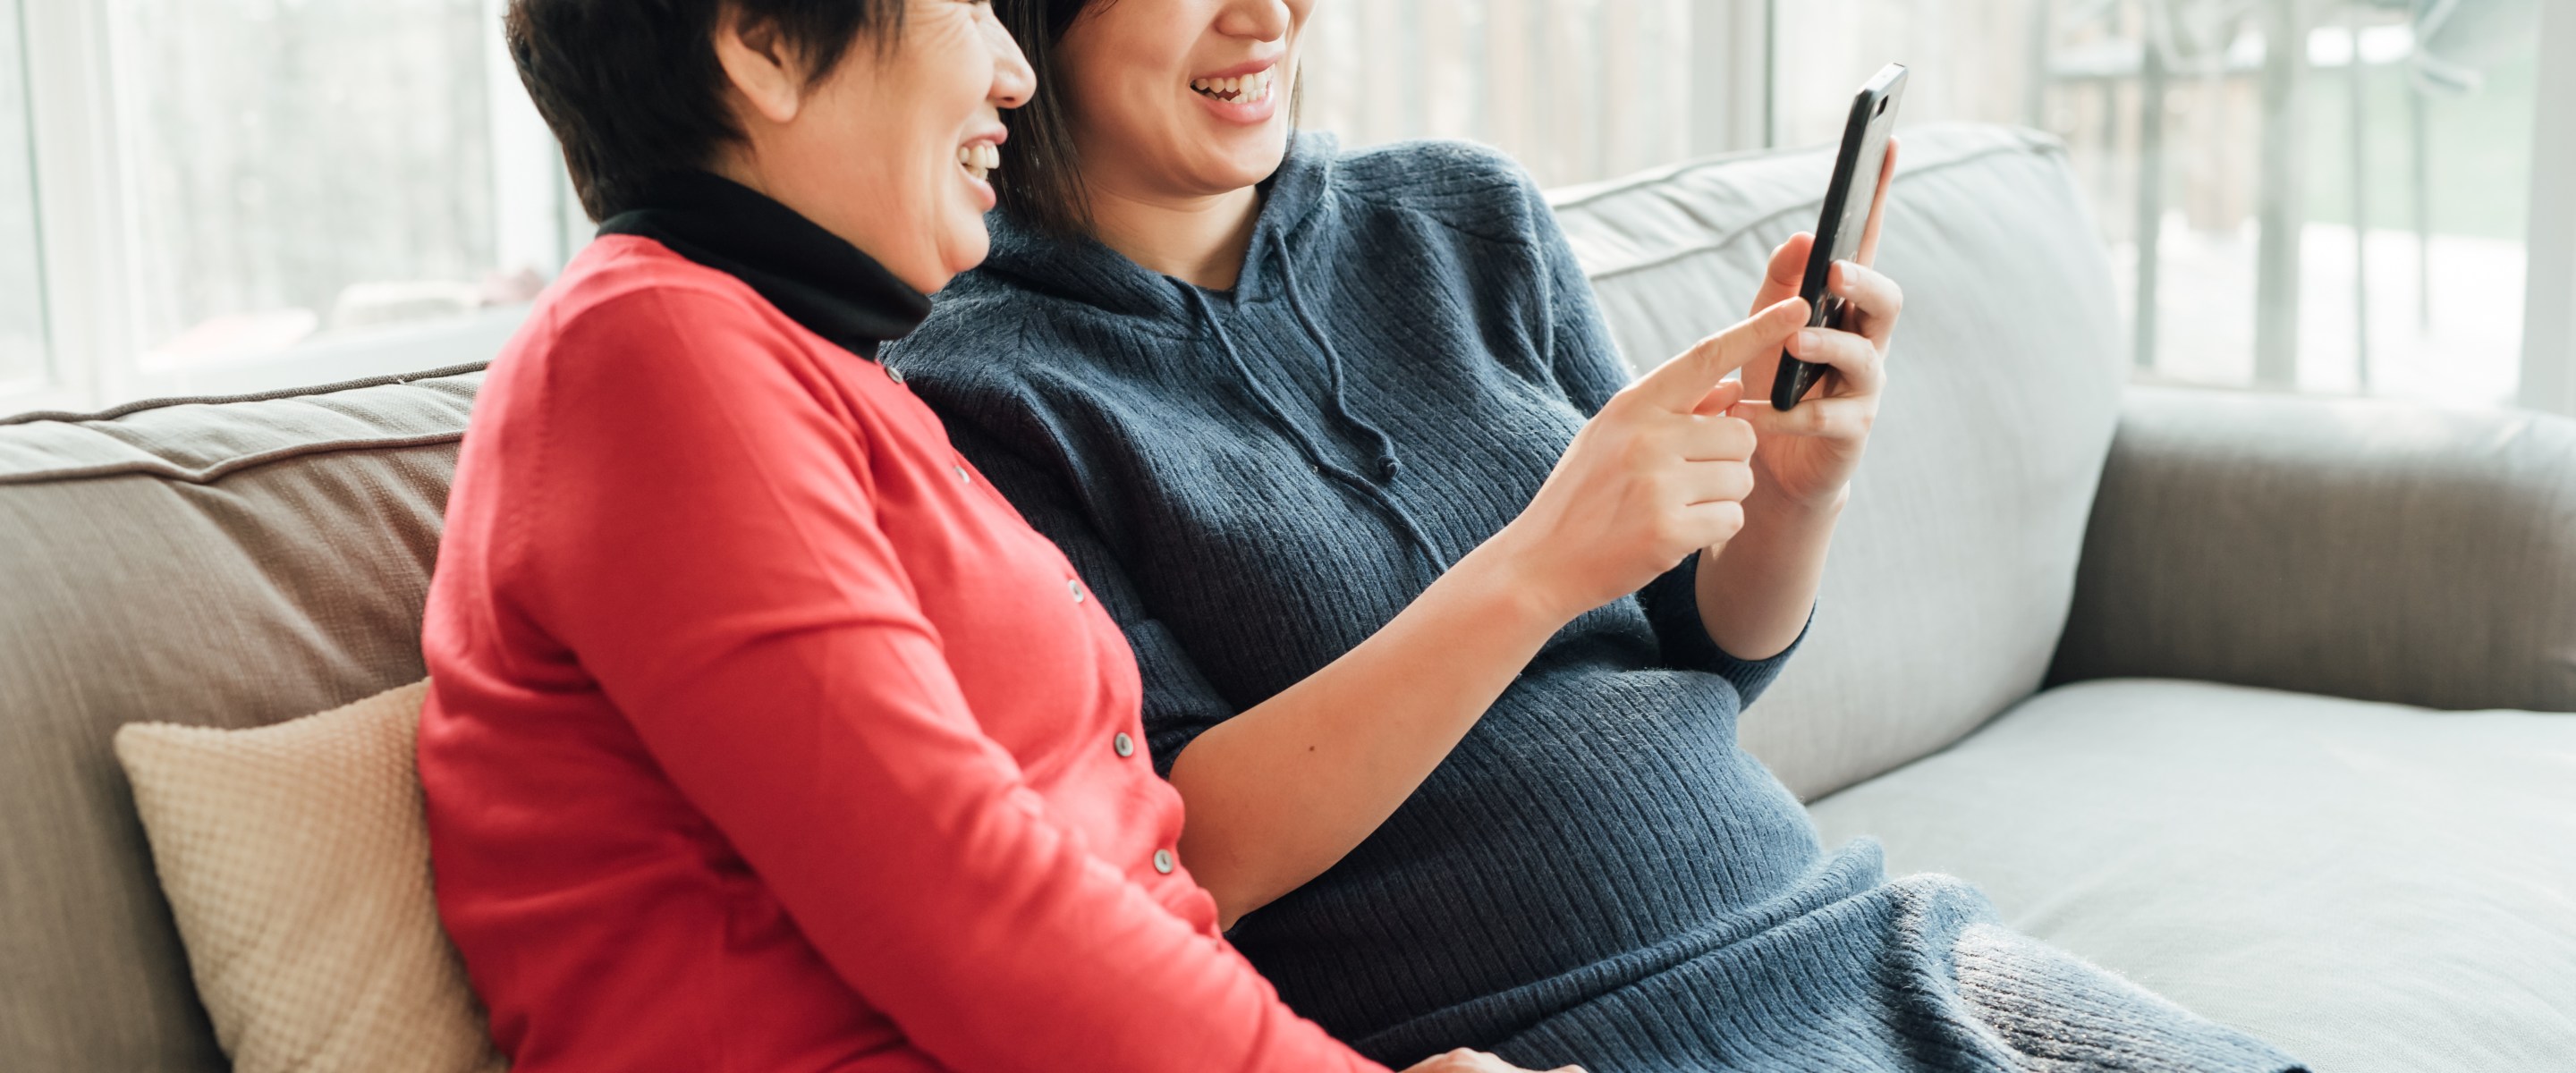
(1579, 90)
(244, 194)
(22, 292)
(2389, 150)
(2326, 195)
(303, 168)
(229, 195)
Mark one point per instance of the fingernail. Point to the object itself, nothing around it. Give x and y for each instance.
(1808, 341)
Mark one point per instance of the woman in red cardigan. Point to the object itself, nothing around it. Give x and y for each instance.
(765, 736)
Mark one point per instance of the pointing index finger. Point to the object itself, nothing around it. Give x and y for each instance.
(1679, 385)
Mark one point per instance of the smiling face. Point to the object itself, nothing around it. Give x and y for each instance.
(1178, 99)
(892, 150)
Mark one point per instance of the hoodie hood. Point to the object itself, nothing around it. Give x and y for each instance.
(1083, 269)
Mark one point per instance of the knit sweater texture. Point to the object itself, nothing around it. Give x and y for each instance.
(1256, 480)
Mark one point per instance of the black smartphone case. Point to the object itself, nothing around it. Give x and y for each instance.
(1846, 219)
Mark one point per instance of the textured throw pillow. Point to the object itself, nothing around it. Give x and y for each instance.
(297, 862)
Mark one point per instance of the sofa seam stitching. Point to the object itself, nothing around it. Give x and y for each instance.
(228, 467)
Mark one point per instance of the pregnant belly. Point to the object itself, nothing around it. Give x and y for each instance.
(1586, 818)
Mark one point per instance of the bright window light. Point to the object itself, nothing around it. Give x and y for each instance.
(1578, 90)
(22, 286)
(2194, 136)
(231, 195)
(304, 170)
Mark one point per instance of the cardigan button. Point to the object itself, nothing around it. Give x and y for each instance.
(894, 374)
(1163, 861)
(1074, 586)
(961, 476)
(1126, 746)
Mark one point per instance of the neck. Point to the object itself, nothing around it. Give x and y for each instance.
(1201, 240)
(744, 165)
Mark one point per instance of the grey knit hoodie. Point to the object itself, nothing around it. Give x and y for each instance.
(1254, 481)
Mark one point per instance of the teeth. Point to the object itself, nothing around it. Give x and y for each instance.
(979, 159)
(1246, 89)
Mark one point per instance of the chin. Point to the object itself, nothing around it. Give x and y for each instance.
(966, 248)
(1250, 164)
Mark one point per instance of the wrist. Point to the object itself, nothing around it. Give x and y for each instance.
(1499, 579)
(1776, 508)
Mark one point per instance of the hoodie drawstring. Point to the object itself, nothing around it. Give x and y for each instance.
(1314, 452)
(1387, 465)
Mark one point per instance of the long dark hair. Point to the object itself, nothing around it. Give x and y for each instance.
(1041, 185)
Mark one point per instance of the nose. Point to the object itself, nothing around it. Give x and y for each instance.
(1013, 81)
(1256, 20)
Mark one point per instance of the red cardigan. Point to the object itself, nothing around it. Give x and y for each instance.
(765, 736)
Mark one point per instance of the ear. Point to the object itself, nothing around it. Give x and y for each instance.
(767, 76)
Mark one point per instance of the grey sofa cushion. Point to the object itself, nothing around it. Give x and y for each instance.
(2375, 888)
(227, 565)
(2368, 549)
(1955, 563)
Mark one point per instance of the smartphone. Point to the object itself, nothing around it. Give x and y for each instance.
(1847, 205)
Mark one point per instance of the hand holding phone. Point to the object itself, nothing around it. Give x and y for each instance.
(1850, 227)
(1810, 453)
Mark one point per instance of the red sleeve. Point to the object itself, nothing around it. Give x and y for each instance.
(702, 543)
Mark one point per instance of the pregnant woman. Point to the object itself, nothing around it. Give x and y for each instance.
(764, 736)
(1444, 626)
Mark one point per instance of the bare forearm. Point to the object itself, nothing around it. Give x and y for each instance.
(1756, 592)
(1280, 793)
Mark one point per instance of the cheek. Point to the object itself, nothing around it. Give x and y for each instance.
(941, 104)
(1117, 84)
(966, 244)
(1120, 109)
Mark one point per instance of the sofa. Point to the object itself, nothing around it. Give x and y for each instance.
(2258, 700)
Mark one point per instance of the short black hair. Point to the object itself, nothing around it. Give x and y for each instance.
(633, 89)
(1041, 184)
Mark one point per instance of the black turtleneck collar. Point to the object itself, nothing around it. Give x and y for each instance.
(814, 276)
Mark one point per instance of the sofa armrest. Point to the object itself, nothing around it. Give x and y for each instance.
(2363, 549)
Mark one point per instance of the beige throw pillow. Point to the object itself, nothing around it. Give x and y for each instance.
(297, 861)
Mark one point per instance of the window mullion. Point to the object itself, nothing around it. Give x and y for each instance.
(80, 196)
(1732, 111)
(2549, 307)
(527, 208)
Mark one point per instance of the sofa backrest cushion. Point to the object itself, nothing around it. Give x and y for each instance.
(1953, 570)
(241, 562)
(232, 563)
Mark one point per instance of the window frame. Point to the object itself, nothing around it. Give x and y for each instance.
(2549, 305)
(64, 109)
(88, 254)
(1736, 36)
